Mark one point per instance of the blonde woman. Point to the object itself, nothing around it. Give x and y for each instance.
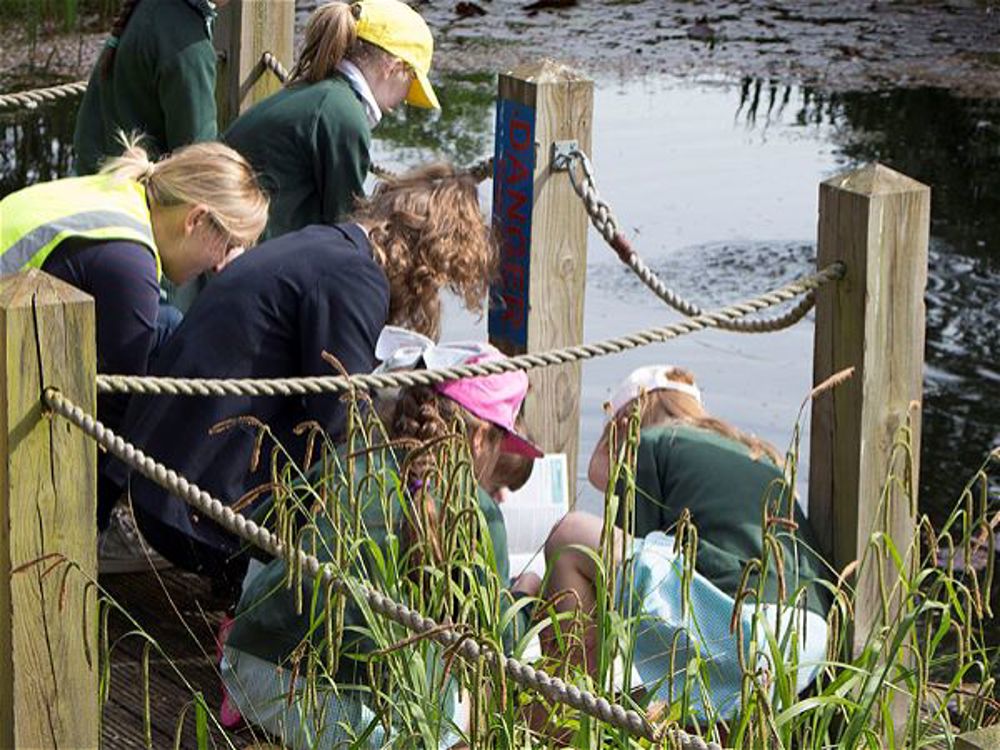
(311, 140)
(113, 234)
(274, 313)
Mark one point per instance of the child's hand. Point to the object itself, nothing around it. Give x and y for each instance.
(528, 583)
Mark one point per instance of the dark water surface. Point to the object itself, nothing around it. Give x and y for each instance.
(717, 184)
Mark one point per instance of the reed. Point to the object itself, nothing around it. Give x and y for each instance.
(930, 646)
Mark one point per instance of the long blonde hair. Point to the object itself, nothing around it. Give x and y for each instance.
(331, 36)
(663, 407)
(427, 233)
(209, 174)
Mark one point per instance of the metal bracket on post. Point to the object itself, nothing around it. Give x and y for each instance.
(562, 154)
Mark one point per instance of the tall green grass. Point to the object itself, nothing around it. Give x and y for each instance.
(919, 677)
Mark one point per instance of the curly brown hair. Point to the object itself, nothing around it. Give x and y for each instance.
(428, 233)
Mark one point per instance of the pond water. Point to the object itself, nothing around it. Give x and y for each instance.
(717, 183)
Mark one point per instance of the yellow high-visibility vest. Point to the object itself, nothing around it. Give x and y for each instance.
(33, 221)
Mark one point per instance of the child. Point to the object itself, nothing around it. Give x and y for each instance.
(512, 472)
(156, 74)
(690, 461)
(273, 314)
(268, 636)
(311, 140)
(114, 234)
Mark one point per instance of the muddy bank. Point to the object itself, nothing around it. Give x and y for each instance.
(852, 45)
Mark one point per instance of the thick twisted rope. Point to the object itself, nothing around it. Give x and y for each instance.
(479, 171)
(339, 383)
(31, 99)
(273, 64)
(552, 688)
(604, 221)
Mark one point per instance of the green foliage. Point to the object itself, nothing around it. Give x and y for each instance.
(56, 15)
(461, 131)
(919, 676)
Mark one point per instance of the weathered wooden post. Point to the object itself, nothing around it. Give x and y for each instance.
(244, 31)
(537, 303)
(48, 507)
(877, 222)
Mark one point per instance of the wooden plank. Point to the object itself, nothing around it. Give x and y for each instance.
(48, 506)
(877, 221)
(148, 599)
(245, 30)
(983, 739)
(538, 302)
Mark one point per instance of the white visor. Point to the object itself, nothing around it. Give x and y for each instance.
(648, 379)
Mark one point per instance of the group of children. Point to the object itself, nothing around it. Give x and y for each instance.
(336, 272)
(691, 469)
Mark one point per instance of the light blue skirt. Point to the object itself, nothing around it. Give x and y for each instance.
(675, 647)
(336, 719)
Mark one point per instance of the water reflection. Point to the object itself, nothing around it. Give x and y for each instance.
(36, 145)
(716, 247)
(952, 144)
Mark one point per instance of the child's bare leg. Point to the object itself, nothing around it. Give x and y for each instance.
(572, 576)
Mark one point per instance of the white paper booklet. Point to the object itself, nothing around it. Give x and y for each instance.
(532, 511)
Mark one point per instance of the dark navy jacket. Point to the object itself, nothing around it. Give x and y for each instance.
(270, 314)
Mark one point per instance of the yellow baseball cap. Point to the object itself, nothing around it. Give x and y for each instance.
(398, 29)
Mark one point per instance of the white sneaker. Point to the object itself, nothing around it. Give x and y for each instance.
(121, 548)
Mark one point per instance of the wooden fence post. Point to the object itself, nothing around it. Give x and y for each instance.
(877, 222)
(48, 506)
(537, 303)
(245, 30)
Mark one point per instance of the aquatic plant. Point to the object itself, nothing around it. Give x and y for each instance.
(916, 679)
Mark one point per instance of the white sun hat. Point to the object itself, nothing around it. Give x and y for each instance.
(648, 379)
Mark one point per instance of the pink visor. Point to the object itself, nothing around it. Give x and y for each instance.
(496, 399)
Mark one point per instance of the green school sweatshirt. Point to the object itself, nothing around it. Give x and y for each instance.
(267, 625)
(310, 144)
(162, 84)
(681, 466)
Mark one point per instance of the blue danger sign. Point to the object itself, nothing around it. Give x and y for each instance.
(513, 187)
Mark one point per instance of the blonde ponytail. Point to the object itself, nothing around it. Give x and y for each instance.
(133, 163)
(207, 174)
(331, 35)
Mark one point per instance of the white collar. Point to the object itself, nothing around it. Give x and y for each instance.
(359, 83)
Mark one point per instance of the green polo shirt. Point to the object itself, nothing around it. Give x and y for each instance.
(310, 145)
(682, 467)
(162, 84)
(267, 625)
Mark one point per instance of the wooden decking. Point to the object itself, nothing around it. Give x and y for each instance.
(179, 611)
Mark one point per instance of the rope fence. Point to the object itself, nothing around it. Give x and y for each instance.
(606, 224)
(730, 318)
(552, 688)
(32, 99)
(340, 383)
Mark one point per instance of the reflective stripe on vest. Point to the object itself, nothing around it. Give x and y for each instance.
(102, 208)
(21, 253)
